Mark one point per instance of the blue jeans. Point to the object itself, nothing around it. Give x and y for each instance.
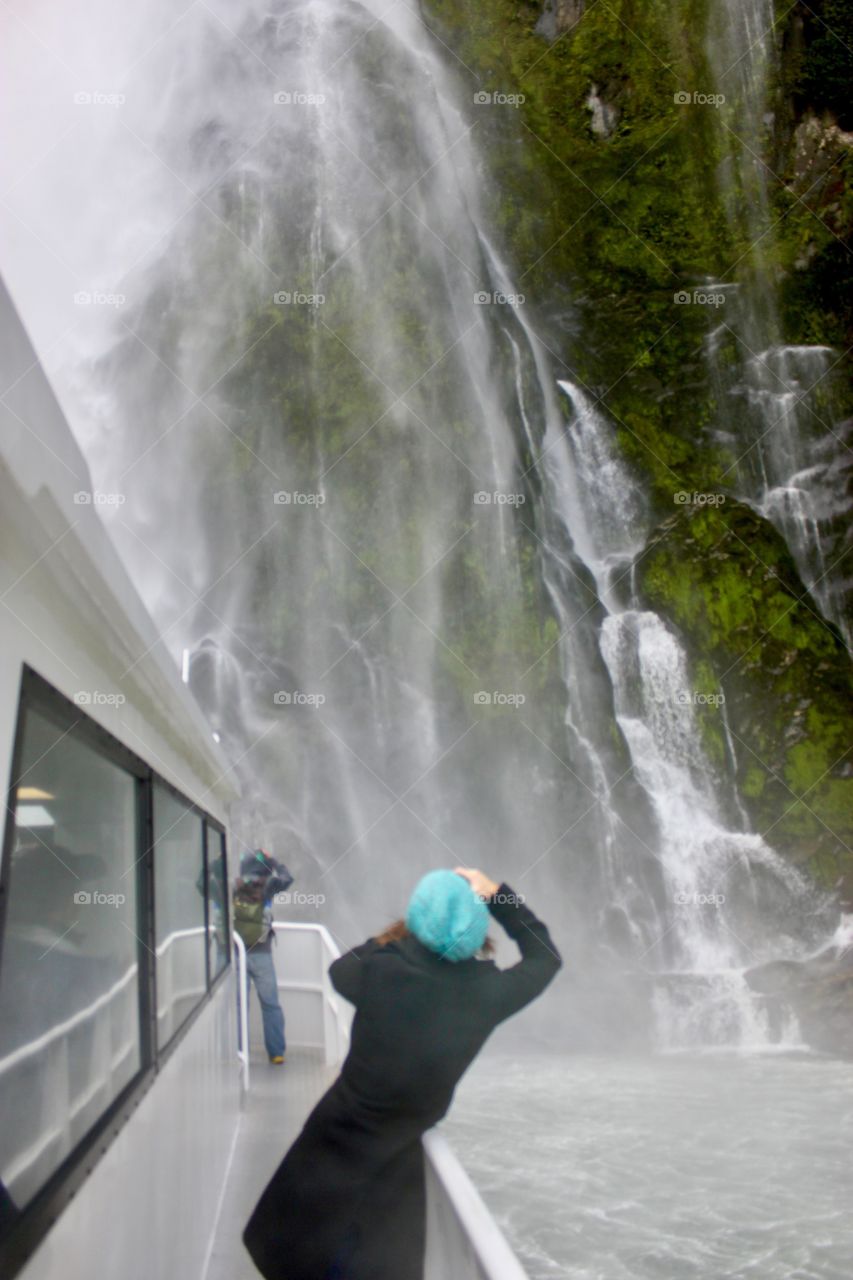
(262, 972)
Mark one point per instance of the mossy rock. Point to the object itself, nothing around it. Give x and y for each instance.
(724, 578)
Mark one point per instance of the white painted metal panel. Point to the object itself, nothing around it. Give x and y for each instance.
(69, 610)
(148, 1209)
(68, 607)
(463, 1239)
(315, 1015)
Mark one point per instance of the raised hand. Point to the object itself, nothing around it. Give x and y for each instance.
(479, 881)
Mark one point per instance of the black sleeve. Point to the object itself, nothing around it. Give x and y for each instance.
(346, 971)
(540, 959)
(277, 884)
(9, 1211)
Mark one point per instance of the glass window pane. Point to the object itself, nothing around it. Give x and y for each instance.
(178, 911)
(217, 903)
(69, 993)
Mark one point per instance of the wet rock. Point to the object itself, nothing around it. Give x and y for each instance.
(820, 992)
(725, 579)
(604, 114)
(817, 153)
(558, 17)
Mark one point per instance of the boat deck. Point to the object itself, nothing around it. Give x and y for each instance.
(275, 1109)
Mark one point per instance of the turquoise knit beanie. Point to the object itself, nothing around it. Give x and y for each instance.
(446, 915)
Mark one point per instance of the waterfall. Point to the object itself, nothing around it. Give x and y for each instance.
(328, 493)
(707, 869)
(397, 542)
(790, 445)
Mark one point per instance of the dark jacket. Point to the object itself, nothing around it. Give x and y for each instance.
(266, 887)
(348, 1201)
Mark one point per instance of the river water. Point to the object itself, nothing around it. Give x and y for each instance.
(664, 1168)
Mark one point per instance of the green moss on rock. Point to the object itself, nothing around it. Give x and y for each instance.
(604, 229)
(784, 671)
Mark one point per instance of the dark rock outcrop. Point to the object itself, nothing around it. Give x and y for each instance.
(820, 991)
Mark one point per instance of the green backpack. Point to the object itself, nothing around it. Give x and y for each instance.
(249, 918)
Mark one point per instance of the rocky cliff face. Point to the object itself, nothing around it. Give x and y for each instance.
(784, 675)
(558, 17)
(691, 265)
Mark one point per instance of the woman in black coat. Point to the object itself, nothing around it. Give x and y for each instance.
(348, 1200)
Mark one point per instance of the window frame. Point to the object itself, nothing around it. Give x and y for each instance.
(23, 1237)
(210, 824)
(203, 816)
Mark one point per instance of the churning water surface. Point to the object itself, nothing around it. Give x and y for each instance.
(666, 1168)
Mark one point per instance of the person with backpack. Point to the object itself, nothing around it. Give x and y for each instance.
(261, 878)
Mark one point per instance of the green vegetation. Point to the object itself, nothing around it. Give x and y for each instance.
(784, 672)
(818, 69)
(603, 229)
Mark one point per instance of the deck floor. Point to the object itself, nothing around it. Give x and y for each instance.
(276, 1107)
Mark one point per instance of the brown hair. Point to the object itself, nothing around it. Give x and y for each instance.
(399, 929)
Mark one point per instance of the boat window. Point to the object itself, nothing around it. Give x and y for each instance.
(218, 933)
(69, 976)
(179, 910)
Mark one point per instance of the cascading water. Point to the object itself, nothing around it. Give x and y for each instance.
(790, 446)
(707, 870)
(399, 548)
(399, 552)
(707, 867)
(340, 430)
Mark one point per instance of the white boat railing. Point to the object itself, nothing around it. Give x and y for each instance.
(243, 1015)
(81, 1063)
(62, 1079)
(463, 1239)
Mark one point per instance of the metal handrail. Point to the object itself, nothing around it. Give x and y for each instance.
(243, 994)
(61, 1030)
(464, 1220)
(336, 1018)
(494, 1256)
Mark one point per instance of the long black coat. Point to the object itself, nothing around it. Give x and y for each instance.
(348, 1200)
